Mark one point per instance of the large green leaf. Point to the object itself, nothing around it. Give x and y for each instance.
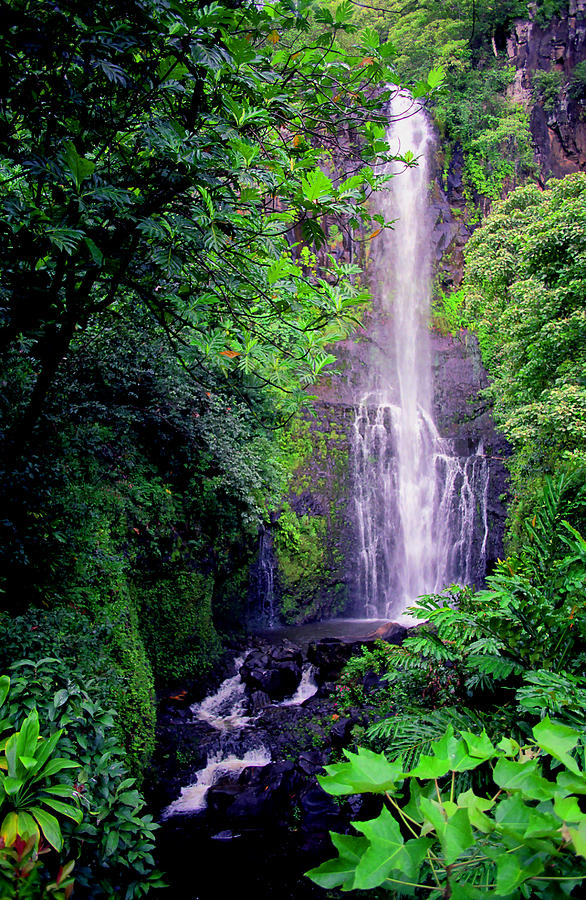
(364, 771)
(523, 776)
(558, 740)
(385, 853)
(72, 812)
(49, 826)
(44, 750)
(57, 765)
(339, 872)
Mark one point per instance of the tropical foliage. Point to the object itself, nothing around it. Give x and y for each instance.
(521, 835)
(525, 299)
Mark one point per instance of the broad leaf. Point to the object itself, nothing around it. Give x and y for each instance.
(385, 853)
(365, 771)
(558, 740)
(49, 826)
(339, 872)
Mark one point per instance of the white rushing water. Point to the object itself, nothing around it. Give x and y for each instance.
(306, 689)
(225, 711)
(415, 498)
(193, 797)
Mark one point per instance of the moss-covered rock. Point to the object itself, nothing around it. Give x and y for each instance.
(177, 626)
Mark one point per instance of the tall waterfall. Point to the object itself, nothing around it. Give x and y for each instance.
(418, 504)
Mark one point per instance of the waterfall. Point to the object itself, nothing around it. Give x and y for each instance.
(264, 577)
(419, 506)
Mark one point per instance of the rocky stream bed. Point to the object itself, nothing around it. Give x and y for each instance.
(234, 782)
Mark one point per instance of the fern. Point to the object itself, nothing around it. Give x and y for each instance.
(563, 695)
(411, 734)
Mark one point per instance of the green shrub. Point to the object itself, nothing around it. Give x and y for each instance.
(302, 559)
(113, 845)
(108, 650)
(547, 87)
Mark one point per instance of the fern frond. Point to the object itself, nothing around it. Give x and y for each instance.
(411, 734)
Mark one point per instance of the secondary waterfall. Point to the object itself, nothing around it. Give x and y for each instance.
(418, 504)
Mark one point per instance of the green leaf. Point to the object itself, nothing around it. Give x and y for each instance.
(57, 765)
(12, 785)
(435, 78)
(112, 842)
(4, 688)
(431, 767)
(49, 826)
(477, 807)
(79, 167)
(340, 871)
(65, 809)
(453, 829)
(60, 697)
(316, 186)
(578, 838)
(523, 776)
(312, 232)
(60, 790)
(27, 827)
(479, 747)
(385, 853)
(365, 771)
(28, 735)
(9, 828)
(557, 740)
(567, 809)
(45, 748)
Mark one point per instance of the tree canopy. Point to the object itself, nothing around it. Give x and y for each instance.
(169, 154)
(525, 298)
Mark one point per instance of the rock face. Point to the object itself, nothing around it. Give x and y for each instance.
(273, 673)
(558, 125)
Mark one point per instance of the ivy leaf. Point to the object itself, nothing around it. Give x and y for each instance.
(385, 853)
(339, 872)
(365, 771)
(557, 740)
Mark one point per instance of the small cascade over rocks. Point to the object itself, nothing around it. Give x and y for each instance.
(420, 507)
(279, 675)
(251, 787)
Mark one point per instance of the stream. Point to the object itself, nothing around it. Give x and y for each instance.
(242, 806)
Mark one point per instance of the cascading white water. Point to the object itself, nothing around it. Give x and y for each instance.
(415, 499)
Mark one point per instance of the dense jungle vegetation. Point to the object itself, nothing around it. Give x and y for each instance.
(180, 252)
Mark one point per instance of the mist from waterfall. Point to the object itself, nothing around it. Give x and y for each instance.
(417, 503)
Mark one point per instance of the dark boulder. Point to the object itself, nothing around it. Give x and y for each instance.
(341, 732)
(329, 656)
(275, 672)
